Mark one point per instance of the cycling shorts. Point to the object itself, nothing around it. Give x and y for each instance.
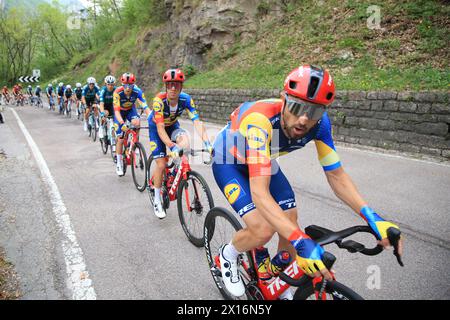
(233, 180)
(157, 146)
(109, 108)
(126, 115)
(89, 103)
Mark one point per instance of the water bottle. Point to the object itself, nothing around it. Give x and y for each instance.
(280, 262)
(262, 258)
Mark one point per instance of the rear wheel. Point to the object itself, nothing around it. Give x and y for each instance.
(220, 226)
(139, 166)
(194, 200)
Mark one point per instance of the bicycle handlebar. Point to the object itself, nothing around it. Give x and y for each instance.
(193, 152)
(324, 236)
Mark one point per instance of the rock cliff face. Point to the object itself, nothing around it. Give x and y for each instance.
(195, 29)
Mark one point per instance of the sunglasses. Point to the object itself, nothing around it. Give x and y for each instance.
(173, 85)
(128, 86)
(299, 107)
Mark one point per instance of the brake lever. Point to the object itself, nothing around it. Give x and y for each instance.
(394, 238)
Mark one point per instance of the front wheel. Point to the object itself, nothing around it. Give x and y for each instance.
(139, 166)
(220, 226)
(333, 291)
(104, 141)
(194, 200)
(94, 129)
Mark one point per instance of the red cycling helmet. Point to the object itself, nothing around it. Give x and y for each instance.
(312, 84)
(128, 78)
(173, 75)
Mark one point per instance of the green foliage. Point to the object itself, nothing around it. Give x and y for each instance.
(143, 12)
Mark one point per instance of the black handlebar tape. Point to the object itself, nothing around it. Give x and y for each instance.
(328, 259)
(394, 237)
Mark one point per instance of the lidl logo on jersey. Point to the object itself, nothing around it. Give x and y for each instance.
(233, 191)
(153, 146)
(256, 137)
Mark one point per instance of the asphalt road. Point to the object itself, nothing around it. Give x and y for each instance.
(131, 254)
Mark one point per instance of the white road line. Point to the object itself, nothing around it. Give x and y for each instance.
(78, 278)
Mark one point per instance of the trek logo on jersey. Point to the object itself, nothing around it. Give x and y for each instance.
(233, 191)
(256, 137)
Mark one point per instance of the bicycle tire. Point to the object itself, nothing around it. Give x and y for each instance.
(113, 143)
(94, 131)
(195, 240)
(208, 234)
(104, 141)
(336, 290)
(143, 156)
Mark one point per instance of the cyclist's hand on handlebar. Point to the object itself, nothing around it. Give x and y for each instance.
(209, 147)
(309, 256)
(174, 151)
(123, 127)
(387, 232)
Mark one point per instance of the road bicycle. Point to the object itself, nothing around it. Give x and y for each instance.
(191, 191)
(134, 155)
(93, 124)
(38, 102)
(221, 224)
(108, 138)
(51, 103)
(19, 99)
(80, 110)
(61, 105)
(68, 108)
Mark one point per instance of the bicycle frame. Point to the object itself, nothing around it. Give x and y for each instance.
(273, 288)
(128, 144)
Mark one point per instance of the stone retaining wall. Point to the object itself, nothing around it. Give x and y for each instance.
(413, 122)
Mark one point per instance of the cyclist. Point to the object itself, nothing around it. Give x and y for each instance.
(68, 96)
(30, 94)
(164, 128)
(78, 95)
(50, 94)
(5, 94)
(125, 98)
(60, 95)
(106, 96)
(89, 99)
(37, 93)
(256, 187)
(17, 93)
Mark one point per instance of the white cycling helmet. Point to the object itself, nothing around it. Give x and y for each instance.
(50, 85)
(37, 86)
(69, 86)
(78, 85)
(91, 80)
(110, 80)
(60, 84)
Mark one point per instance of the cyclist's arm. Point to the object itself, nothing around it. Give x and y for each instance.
(200, 128)
(158, 107)
(116, 103)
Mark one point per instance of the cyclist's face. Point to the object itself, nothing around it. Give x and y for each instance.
(295, 126)
(173, 90)
(110, 86)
